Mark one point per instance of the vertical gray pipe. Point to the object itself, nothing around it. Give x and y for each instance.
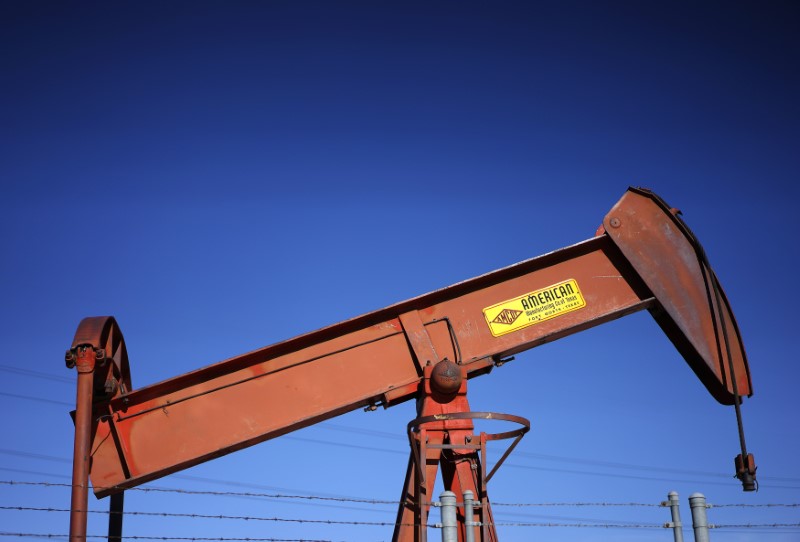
(449, 521)
(674, 506)
(469, 515)
(699, 520)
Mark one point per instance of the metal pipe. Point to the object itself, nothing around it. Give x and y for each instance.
(676, 525)
(422, 487)
(699, 520)
(82, 449)
(469, 516)
(449, 521)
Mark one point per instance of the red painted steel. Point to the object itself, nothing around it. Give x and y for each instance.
(84, 361)
(443, 436)
(685, 286)
(427, 455)
(643, 258)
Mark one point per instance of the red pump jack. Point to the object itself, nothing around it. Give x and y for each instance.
(643, 257)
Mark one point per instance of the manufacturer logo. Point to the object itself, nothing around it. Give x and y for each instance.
(506, 316)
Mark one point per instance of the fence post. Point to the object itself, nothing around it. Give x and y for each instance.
(675, 524)
(699, 520)
(449, 520)
(469, 516)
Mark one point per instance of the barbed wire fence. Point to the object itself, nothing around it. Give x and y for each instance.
(779, 526)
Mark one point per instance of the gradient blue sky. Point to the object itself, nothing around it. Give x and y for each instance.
(223, 176)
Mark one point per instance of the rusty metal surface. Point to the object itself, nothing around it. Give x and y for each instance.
(85, 362)
(104, 335)
(695, 313)
(379, 358)
(442, 438)
(213, 411)
(524, 424)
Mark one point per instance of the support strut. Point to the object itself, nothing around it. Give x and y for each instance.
(83, 359)
(443, 435)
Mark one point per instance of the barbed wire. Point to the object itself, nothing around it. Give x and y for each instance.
(313, 497)
(593, 504)
(646, 525)
(769, 505)
(214, 493)
(141, 537)
(215, 516)
(337, 522)
(752, 525)
(354, 523)
(584, 525)
(391, 502)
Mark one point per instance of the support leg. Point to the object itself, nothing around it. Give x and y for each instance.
(116, 506)
(85, 362)
(412, 516)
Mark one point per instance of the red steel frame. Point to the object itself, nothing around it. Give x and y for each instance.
(643, 257)
(442, 436)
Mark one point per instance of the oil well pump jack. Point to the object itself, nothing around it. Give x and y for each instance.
(643, 256)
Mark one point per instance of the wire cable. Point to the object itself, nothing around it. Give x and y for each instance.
(211, 516)
(216, 493)
(394, 502)
(198, 538)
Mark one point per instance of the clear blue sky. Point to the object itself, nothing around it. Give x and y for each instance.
(223, 176)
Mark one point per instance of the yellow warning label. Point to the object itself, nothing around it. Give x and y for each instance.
(535, 307)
